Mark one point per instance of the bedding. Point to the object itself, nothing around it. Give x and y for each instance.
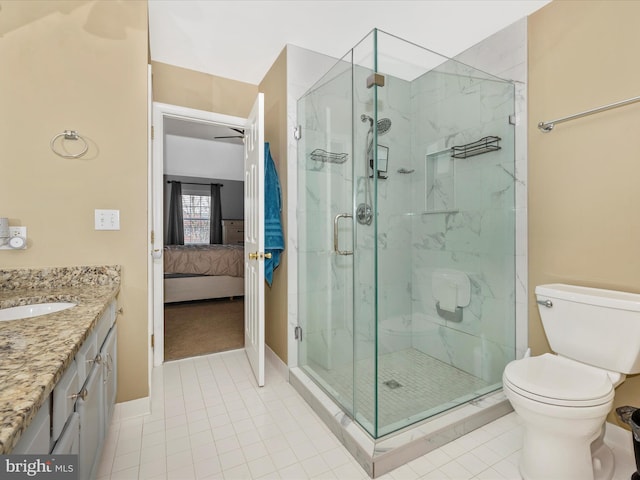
(218, 260)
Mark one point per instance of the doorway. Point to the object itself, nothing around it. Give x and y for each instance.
(197, 149)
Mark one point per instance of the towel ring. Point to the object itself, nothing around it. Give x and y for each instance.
(69, 135)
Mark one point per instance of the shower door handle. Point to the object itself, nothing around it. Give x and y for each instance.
(335, 233)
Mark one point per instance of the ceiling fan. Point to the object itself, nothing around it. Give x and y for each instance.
(238, 130)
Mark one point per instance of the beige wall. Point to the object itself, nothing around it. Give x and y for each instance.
(584, 225)
(274, 87)
(188, 88)
(80, 66)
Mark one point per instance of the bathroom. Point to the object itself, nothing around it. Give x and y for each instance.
(580, 184)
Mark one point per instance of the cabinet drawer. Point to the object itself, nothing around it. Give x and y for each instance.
(104, 324)
(233, 232)
(67, 444)
(90, 413)
(63, 400)
(109, 357)
(35, 439)
(233, 223)
(85, 358)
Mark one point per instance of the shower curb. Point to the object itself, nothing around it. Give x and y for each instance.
(380, 456)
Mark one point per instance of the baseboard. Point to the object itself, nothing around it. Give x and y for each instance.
(271, 357)
(132, 409)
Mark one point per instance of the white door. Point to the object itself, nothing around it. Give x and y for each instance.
(254, 239)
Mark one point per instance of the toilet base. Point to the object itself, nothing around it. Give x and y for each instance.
(592, 462)
(603, 460)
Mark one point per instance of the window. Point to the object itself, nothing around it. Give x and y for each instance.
(196, 211)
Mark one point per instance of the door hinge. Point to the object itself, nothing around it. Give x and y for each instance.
(153, 343)
(297, 333)
(153, 236)
(513, 119)
(297, 132)
(152, 132)
(376, 79)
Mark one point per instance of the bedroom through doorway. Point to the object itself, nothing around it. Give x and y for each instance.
(203, 254)
(202, 327)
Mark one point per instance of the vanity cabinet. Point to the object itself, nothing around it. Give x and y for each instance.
(35, 439)
(90, 414)
(108, 353)
(96, 399)
(65, 424)
(84, 398)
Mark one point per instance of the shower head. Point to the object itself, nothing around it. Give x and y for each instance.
(384, 124)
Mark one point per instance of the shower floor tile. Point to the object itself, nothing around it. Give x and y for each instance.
(412, 385)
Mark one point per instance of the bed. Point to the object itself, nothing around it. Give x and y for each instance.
(198, 272)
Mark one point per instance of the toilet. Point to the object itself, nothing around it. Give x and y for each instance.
(563, 398)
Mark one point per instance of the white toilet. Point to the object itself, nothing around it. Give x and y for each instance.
(563, 399)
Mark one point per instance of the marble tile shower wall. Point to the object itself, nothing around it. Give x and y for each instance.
(479, 238)
(505, 54)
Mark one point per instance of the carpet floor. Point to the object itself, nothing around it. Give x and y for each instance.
(202, 327)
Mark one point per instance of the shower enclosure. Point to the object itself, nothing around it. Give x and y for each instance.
(406, 233)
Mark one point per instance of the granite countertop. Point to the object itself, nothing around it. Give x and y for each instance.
(35, 352)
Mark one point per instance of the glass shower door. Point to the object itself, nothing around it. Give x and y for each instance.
(325, 249)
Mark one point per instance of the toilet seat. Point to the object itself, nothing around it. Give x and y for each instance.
(558, 381)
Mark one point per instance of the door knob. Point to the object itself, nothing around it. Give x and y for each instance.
(256, 255)
(156, 254)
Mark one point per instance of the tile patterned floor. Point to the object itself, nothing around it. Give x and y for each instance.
(210, 421)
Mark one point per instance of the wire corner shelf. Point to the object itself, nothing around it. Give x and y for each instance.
(487, 144)
(320, 155)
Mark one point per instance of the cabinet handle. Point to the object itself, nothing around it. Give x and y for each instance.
(82, 394)
(97, 359)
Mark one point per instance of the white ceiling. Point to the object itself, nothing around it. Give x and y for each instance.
(240, 39)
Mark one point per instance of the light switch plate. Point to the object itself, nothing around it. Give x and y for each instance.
(107, 219)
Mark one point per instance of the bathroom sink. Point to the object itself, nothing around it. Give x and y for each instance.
(28, 311)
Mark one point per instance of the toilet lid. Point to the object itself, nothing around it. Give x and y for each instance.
(559, 380)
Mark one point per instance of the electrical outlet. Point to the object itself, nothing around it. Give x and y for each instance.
(107, 219)
(21, 233)
(18, 232)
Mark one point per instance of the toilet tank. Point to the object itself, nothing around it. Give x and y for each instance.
(593, 326)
